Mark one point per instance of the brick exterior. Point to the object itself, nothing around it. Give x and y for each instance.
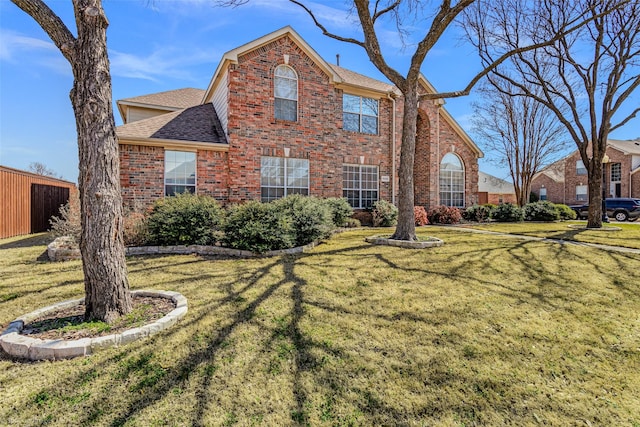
(563, 188)
(317, 135)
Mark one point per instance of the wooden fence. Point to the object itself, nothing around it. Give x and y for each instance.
(27, 201)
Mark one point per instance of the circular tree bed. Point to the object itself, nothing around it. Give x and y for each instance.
(58, 331)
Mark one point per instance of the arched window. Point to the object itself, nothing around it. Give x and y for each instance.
(286, 93)
(451, 181)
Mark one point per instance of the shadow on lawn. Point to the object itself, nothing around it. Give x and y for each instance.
(198, 364)
(41, 239)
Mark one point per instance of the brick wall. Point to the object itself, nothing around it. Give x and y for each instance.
(141, 175)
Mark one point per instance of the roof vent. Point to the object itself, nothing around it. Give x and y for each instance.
(338, 59)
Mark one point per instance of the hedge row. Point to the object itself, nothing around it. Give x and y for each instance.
(507, 212)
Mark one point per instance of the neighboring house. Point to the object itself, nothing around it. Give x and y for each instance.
(277, 119)
(28, 201)
(565, 181)
(494, 190)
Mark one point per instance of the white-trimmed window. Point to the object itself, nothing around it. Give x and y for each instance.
(580, 169)
(616, 172)
(179, 172)
(451, 181)
(359, 114)
(581, 192)
(543, 194)
(360, 185)
(280, 176)
(285, 83)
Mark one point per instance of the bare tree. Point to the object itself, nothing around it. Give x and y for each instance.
(523, 134)
(598, 70)
(101, 243)
(427, 22)
(41, 169)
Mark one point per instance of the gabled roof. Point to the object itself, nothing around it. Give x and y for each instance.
(351, 78)
(232, 57)
(492, 184)
(170, 100)
(426, 84)
(199, 124)
(626, 147)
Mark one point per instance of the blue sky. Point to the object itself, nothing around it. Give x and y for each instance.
(158, 45)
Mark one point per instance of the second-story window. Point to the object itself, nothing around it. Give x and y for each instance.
(359, 114)
(286, 93)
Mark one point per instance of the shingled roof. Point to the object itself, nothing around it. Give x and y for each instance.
(171, 99)
(197, 124)
(356, 79)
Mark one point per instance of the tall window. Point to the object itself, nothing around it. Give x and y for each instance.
(580, 169)
(360, 185)
(286, 93)
(543, 194)
(581, 192)
(451, 181)
(179, 172)
(616, 172)
(359, 114)
(281, 176)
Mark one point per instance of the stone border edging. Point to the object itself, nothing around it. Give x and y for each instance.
(58, 251)
(25, 347)
(431, 243)
(584, 227)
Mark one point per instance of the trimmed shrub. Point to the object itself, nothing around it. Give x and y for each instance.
(340, 209)
(185, 219)
(352, 223)
(420, 215)
(478, 213)
(507, 212)
(363, 217)
(541, 211)
(533, 197)
(384, 214)
(135, 230)
(566, 213)
(68, 223)
(444, 215)
(258, 227)
(311, 217)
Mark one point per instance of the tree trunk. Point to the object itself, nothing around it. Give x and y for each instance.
(101, 244)
(406, 228)
(594, 219)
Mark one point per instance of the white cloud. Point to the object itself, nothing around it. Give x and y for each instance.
(164, 63)
(14, 44)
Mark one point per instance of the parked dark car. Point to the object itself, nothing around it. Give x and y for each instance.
(620, 209)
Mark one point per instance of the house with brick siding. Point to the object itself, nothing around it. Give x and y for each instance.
(494, 190)
(565, 181)
(277, 119)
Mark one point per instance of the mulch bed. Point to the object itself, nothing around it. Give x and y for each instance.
(67, 323)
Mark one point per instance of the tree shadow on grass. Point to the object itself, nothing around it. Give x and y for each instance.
(27, 242)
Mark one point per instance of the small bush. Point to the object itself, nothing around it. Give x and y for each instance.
(352, 223)
(478, 213)
(444, 215)
(363, 217)
(420, 215)
(135, 231)
(340, 209)
(185, 219)
(566, 213)
(384, 214)
(541, 211)
(258, 227)
(311, 217)
(507, 212)
(68, 223)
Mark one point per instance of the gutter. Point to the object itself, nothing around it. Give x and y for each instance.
(393, 148)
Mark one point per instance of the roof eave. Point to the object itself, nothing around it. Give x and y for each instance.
(173, 143)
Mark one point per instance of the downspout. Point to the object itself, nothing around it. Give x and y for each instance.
(393, 148)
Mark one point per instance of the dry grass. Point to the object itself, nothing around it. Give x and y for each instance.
(485, 330)
(627, 236)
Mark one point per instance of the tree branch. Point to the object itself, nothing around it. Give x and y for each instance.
(51, 24)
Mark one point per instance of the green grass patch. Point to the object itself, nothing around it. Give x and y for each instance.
(485, 330)
(627, 236)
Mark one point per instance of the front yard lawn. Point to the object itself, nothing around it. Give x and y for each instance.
(628, 236)
(485, 330)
